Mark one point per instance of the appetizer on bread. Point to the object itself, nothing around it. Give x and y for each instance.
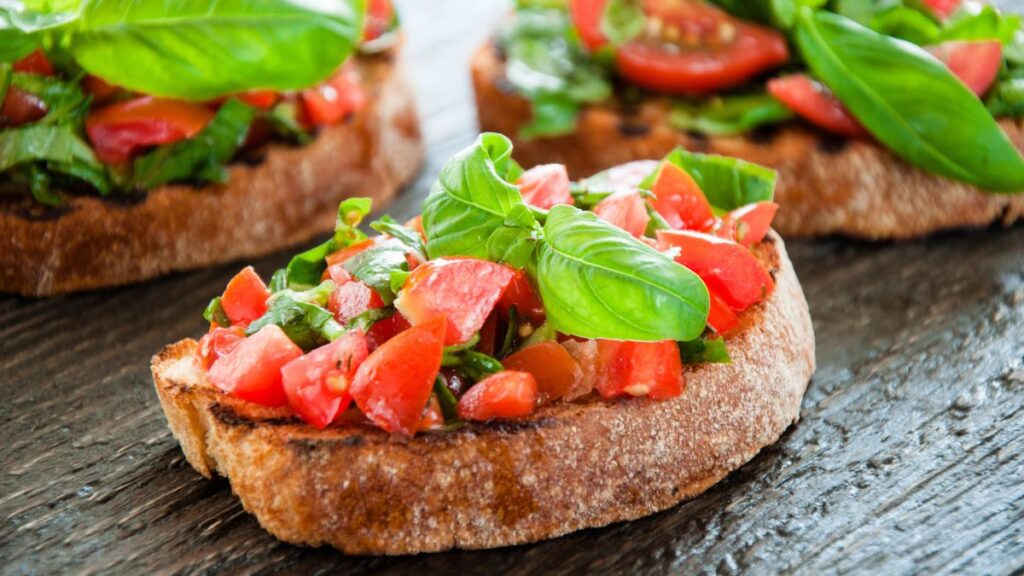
(133, 144)
(884, 119)
(579, 353)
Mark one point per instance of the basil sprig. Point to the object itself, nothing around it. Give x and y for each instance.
(305, 269)
(726, 115)
(882, 80)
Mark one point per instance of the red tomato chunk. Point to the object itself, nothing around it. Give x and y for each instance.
(245, 298)
(503, 396)
(557, 373)
(252, 370)
(651, 369)
(730, 271)
(317, 384)
(625, 210)
(679, 200)
(545, 186)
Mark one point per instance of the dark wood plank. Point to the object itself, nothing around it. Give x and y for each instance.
(909, 458)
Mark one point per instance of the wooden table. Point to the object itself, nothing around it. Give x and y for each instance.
(909, 457)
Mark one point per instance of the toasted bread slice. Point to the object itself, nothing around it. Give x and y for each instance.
(827, 185)
(569, 466)
(287, 198)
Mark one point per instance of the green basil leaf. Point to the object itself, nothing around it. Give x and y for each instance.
(302, 316)
(305, 269)
(200, 158)
(411, 238)
(474, 365)
(623, 20)
(705, 351)
(363, 322)
(215, 313)
(974, 21)
(728, 115)
(910, 101)
(779, 13)
(597, 281)
(201, 49)
(374, 266)
(728, 183)
(53, 143)
(284, 123)
(449, 403)
(471, 202)
(65, 101)
(22, 30)
(1007, 98)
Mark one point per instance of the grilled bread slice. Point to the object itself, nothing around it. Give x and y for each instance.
(827, 185)
(567, 467)
(287, 197)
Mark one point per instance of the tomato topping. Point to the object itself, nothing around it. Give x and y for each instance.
(393, 384)
(555, 370)
(317, 384)
(520, 293)
(379, 16)
(976, 64)
(585, 354)
(752, 222)
(729, 270)
(721, 317)
(686, 47)
(626, 210)
(464, 290)
(503, 396)
(344, 254)
(245, 298)
(813, 102)
(386, 329)
(120, 130)
(252, 370)
(333, 100)
(21, 107)
(679, 200)
(216, 343)
(652, 369)
(416, 223)
(352, 298)
(260, 99)
(433, 417)
(489, 335)
(545, 186)
(943, 7)
(34, 63)
(100, 90)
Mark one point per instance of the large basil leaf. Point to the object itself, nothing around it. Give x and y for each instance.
(910, 101)
(726, 115)
(200, 158)
(473, 210)
(200, 49)
(597, 281)
(728, 183)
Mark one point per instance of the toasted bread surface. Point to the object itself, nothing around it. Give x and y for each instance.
(569, 466)
(289, 196)
(827, 185)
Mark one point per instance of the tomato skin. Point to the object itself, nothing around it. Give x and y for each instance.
(344, 254)
(393, 384)
(625, 210)
(586, 16)
(245, 298)
(585, 354)
(753, 222)
(252, 370)
(352, 298)
(943, 8)
(545, 186)
(721, 317)
(34, 63)
(557, 373)
(120, 130)
(379, 15)
(506, 395)
(652, 369)
(334, 99)
(433, 417)
(464, 290)
(730, 271)
(520, 293)
(20, 107)
(680, 201)
(976, 64)
(216, 343)
(386, 329)
(317, 383)
(813, 102)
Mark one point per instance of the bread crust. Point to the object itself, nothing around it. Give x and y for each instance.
(289, 197)
(827, 185)
(570, 466)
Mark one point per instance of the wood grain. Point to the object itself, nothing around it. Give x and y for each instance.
(909, 458)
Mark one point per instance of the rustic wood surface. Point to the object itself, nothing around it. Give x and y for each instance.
(909, 457)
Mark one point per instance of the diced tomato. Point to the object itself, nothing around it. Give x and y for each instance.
(34, 63)
(379, 16)
(651, 369)
(100, 90)
(943, 7)
(752, 222)
(687, 47)
(334, 99)
(352, 298)
(393, 384)
(520, 293)
(317, 384)
(815, 103)
(344, 254)
(433, 417)
(679, 200)
(386, 329)
(416, 223)
(585, 354)
(20, 107)
(556, 371)
(721, 317)
(120, 130)
(216, 343)
(245, 298)
(976, 64)
(252, 370)
(729, 270)
(506, 395)
(545, 186)
(464, 290)
(625, 210)
(260, 99)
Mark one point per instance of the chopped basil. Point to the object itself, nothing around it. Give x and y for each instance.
(704, 351)
(727, 115)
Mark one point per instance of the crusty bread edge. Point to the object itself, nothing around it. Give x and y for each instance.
(571, 466)
(827, 185)
(287, 198)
